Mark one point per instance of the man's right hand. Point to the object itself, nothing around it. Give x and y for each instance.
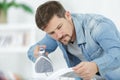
(37, 49)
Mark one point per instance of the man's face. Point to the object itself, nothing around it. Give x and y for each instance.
(60, 29)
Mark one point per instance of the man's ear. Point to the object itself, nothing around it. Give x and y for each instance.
(67, 15)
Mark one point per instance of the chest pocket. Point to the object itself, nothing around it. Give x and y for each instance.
(91, 48)
(95, 54)
(91, 51)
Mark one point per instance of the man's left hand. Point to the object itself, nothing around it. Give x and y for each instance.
(86, 70)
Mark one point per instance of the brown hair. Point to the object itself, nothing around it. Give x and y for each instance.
(46, 11)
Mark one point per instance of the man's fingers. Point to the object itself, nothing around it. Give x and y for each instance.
(43, 46)
(36, 50)
(78, 66)
(83, 70)
(46, 53)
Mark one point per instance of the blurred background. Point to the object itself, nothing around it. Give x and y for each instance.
(18, 32)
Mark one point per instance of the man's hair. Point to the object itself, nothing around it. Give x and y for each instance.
(46, 11)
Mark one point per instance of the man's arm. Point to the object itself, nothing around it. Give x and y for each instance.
(109, 39)
(50, 44)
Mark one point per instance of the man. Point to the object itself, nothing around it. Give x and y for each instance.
(90, 43)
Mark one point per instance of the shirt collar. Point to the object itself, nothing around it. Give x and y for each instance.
(80, 34)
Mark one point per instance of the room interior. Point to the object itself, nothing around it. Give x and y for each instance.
(19, 32)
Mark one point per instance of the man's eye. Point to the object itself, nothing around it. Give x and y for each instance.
(51, 33)
(59, 27)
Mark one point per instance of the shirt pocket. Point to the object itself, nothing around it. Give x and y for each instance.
(96, 53)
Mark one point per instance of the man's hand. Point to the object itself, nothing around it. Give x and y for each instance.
(86, 70)
(37, 49)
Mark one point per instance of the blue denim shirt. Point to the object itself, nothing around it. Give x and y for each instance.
(99, 41)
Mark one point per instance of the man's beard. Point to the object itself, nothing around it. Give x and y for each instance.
(68, 41)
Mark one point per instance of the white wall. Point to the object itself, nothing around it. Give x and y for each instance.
(108, 8)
